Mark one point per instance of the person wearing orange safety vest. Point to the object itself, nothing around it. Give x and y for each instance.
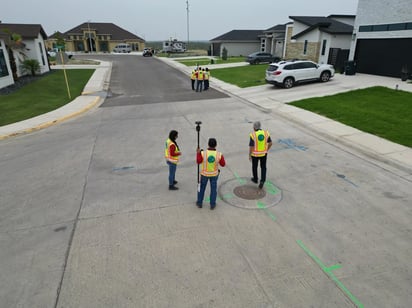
(172, 154)
(210, 161)
(259, 145)
(193, 78)
(200, 75)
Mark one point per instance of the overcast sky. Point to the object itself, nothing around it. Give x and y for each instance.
(155, 20)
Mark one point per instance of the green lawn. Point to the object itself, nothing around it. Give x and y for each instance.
(47, 93)
(377, 110)
(242, 76)
(207, 61)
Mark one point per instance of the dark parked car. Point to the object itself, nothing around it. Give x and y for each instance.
(261, 57)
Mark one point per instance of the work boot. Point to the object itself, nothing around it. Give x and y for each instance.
(261, 185)
(172, 187)
(254, 180)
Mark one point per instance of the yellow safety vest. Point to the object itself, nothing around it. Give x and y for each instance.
(260, 138)
(193, 76)
(168, 156)
(206, 75)
(210, 163)
(200, 75)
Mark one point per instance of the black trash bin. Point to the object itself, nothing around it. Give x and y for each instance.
(350, 68)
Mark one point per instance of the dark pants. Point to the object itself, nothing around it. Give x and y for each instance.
(199, 86)
(206, 84)
(255, 162)
(193, 84)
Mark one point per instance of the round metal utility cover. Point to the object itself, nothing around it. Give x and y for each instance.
(243, 193)
(249, 192)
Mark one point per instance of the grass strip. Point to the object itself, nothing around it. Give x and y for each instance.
(377, 110)
(46, 93)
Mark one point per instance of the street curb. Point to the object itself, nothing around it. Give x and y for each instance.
(50, 123)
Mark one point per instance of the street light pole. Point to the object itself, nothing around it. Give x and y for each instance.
(187, 9)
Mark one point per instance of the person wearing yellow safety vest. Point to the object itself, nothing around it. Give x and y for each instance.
(172, 154)
(193, 78)
(200, 75)
(259, 145)
(206, 78)
(210, 160)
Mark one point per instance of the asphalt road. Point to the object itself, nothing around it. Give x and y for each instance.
(86, 219)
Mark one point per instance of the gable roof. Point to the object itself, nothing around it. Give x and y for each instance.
(27, 31)
(324, 24)
(277, 28)
(115, 31)
(239, 35)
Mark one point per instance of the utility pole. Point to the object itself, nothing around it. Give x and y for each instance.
(187, 9)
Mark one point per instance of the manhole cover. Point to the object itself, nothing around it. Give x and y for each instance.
(242, 193)
(249, 192)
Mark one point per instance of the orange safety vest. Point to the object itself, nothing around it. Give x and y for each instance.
(260, 138)
(168, 156)
(210, 163)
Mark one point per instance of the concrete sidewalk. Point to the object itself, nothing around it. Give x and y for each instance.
(275, 100)
(267, 97)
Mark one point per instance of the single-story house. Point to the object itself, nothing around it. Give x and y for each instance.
(382, 38)
(20, 42)
(273, 40)
(6, 76)
(320, 39)
(96, 37)
(237, 43)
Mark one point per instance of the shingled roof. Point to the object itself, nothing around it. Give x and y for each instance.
(27, 31)
(239, 36)
(324, 24)
(103, 28)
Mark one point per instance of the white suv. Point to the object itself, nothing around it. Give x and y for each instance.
(287, 73)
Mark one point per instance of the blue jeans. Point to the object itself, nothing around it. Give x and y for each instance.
(213, 189)
(172, 172)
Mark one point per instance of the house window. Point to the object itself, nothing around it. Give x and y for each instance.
(386, 27)
(305, 47)
(323, 47)
(42, 53)
(3, 65)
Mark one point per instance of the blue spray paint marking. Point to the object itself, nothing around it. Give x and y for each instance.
(343, 177)
(290, 144)
(123, 168)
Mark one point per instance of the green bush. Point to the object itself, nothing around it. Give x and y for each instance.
(31, 66)
(224, 54)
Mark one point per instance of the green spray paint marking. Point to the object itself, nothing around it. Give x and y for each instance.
(261, 205)
(271, 189)
(328, 271)
(239, 179)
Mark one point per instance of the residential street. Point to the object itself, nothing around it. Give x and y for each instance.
(87, 220)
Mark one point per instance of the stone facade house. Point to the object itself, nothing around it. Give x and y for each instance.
(320, 39)
(96, 37)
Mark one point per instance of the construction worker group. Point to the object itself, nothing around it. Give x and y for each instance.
(209, 160)
(200, 79)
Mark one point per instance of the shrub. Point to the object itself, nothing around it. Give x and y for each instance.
(31, 66)
(224, 54)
